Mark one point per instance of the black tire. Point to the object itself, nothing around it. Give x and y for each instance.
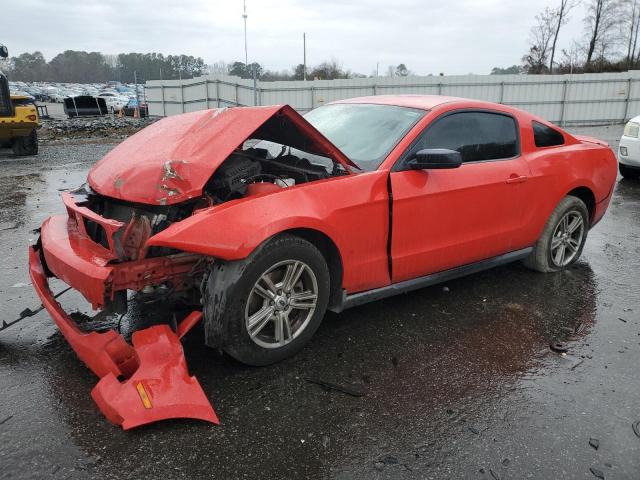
(228, 297)
(540, 258)
(629, 172)
(26, 146)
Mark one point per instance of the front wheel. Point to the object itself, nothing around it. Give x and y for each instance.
(563, 237)
(265, 308)
(25, 146)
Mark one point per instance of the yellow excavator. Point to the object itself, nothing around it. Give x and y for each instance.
(19, 120)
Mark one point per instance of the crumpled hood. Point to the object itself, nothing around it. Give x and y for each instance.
(171, 160)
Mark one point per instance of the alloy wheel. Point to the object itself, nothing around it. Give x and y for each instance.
(567, 238)
(281, 304)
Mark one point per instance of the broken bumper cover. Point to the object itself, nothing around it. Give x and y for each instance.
(139, 384)
(75, 259)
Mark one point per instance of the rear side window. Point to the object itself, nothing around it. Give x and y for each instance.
(478, 136)
(546, 136)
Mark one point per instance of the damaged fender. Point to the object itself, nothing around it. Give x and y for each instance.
(231, 231)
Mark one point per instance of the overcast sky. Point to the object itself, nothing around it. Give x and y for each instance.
(450, 36)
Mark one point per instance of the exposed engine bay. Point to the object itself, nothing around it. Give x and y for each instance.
(245, 172)
(256, 170)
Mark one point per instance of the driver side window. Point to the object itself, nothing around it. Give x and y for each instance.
(478, 136)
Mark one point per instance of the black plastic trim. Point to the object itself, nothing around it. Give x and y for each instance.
(416, 283)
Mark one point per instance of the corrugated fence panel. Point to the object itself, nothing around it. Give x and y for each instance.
(563, 99)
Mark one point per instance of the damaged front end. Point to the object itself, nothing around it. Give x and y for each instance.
(103, 247)
(103, 258)
(140, 383)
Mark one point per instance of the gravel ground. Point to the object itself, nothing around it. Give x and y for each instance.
(459, 382)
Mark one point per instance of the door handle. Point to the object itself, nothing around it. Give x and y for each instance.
(517, 179)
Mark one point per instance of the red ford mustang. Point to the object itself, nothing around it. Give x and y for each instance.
(271, 218)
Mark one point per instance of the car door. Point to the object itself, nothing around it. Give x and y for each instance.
(444, 218)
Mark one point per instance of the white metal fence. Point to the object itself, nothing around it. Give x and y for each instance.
(600, 98)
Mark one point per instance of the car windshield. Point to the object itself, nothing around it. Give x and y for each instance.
(365, 133)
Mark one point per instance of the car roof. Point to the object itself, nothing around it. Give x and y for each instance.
(423, 102)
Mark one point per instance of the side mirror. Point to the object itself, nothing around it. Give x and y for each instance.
(434, 158)
(4, 51)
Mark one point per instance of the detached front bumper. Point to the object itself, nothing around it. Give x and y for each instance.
(139, 384)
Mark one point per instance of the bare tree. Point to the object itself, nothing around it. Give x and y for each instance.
(220, 67)
(539, 39)
(571, 58)
(601, 23)
(561, 18)
(634, 22)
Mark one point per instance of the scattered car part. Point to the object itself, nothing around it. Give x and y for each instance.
(559, 347)
(156, 384)
(27, 312)
(159, 389)
(636, 428)
(338, 388)
(595, 443)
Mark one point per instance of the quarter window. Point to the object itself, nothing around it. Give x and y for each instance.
(478, 136)
(546, 136)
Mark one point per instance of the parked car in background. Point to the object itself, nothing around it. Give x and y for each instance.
(629, 149)
(130, 108)
(114, 101)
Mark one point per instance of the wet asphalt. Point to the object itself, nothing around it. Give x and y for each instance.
(458, 382)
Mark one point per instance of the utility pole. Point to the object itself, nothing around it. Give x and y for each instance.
(135, 81)
(244, 16)
(304, 56)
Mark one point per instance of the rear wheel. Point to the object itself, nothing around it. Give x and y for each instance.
(24, 146)
(629, 172)
(266, 307)
(563, 237)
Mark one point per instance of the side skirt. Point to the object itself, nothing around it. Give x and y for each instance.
(416, 283)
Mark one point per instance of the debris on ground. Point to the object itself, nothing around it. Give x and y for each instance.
(337, 388)
(595, 443)
(577, 364)
(559, 347)
(597, 473)
(636, 428)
